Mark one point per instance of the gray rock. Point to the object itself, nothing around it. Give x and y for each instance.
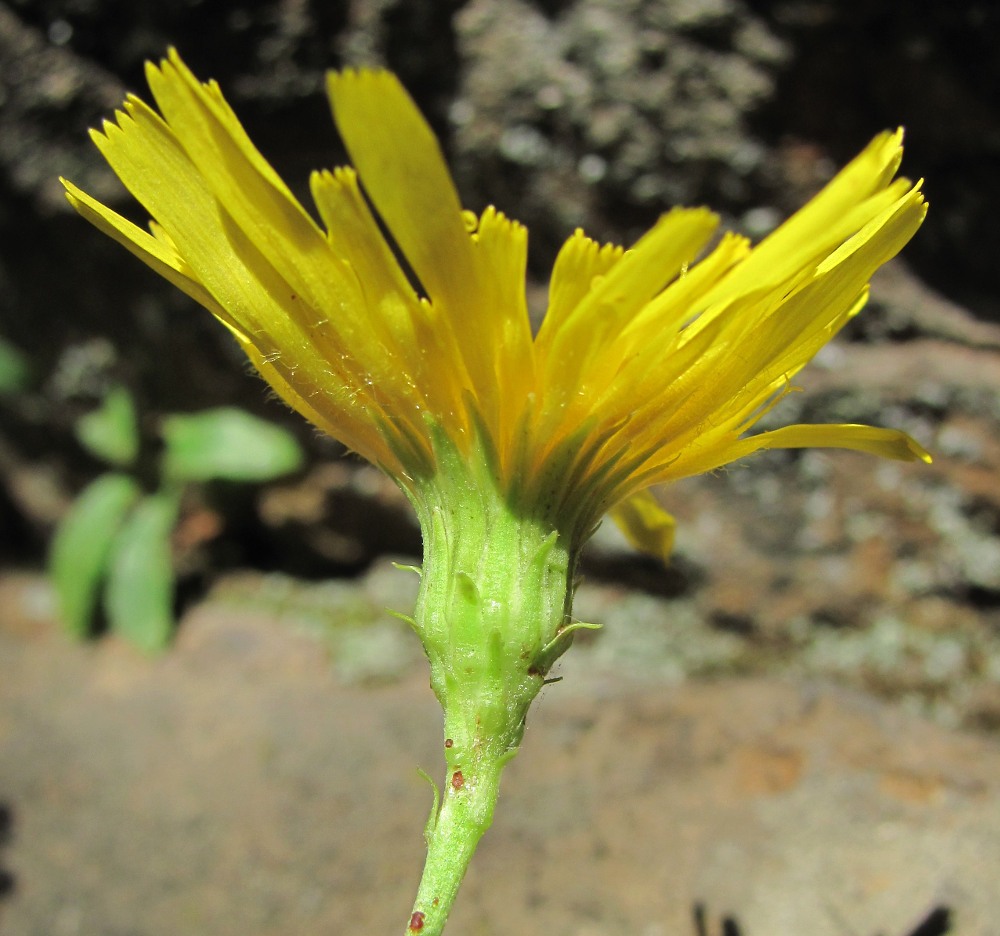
(144, 794)
(636, 106)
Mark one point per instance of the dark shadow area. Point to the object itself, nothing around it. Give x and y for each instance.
(7, 880)
(420, 46)
(347, 531)
(729, 926)
(677, 578)
(932, 68)
(937, 923)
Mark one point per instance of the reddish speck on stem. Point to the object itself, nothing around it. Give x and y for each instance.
(448, 742)
(417, 921)
(457, 780)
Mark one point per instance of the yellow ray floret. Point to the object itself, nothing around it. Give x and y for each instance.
(651, 363)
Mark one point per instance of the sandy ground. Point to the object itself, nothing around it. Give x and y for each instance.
(238, 785)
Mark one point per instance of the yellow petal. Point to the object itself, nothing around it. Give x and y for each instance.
(259, 305)
(577, 265)
(646, 349)
(685, 298)
(892, 228)
(153, 166)
(354, 234)
(466, 273)
(886, 443)
(255, 198)
(612, 299)
(401, 166)
(768, 343)
(646, 525)
(657, 257)
(393, 312)
(649, 365)
(502, 246)
(575, 359)
(153, 251)
(860, 191)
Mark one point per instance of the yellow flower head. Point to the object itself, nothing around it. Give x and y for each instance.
(651, 364)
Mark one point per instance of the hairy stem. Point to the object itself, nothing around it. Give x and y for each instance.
(493, 615)
(466, 812)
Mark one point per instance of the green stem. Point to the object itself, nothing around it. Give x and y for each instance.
(493, 614)
(466, 812)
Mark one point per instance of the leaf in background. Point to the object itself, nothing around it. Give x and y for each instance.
(14, 369)
(227, 444)
(139, 595)
(81, 547)
(111, 432)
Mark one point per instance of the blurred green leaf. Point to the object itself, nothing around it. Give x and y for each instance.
(81, 547)
(228, 444)
(111, 431)
(14, 369)
(139, 595)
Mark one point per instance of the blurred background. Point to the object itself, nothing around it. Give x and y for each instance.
(805, 569)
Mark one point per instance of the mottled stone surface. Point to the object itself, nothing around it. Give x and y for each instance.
(240, 786)
(613, 111)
